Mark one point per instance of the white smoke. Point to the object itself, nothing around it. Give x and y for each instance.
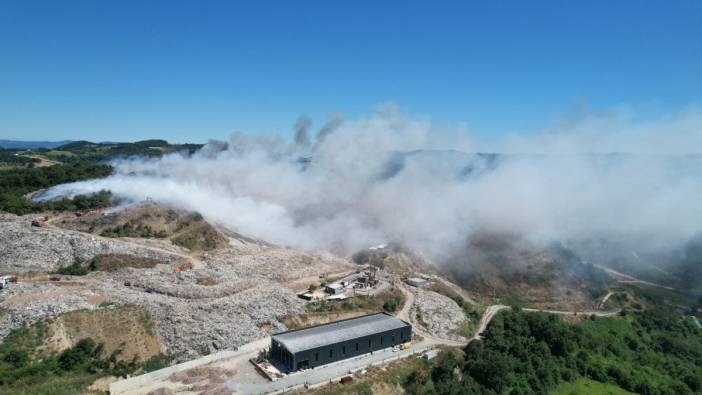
(396, 177)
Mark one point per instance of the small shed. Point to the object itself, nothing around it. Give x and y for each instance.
(305, 295)
(333, 289)
(417, 282)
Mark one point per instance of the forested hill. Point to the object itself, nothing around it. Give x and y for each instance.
(23, 171)
(18, 144)
(656, 351)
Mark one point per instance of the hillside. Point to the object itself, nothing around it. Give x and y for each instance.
(170, 282)
(147, 220)
(20, 144)
(516, 271)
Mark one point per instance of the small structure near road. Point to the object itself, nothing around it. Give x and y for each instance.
(333, 289)
(323, 344)
(306, 295)
(417, 282)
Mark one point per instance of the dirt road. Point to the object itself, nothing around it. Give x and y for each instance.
(485, 319)
(575, 313)
(488, 315)
(625, 278)
(604, 300)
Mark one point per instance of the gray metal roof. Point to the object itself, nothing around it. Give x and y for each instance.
(338, 331)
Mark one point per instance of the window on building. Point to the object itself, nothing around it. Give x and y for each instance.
(356, 346)
(316, 356)
(343, 349)
(370, 343)
(331, 353)
(381, 340)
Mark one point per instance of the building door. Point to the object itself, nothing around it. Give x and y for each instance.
(303, 364)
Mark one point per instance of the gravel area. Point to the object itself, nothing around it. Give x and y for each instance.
(440, 315)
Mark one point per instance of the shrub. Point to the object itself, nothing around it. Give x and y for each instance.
(392, 304)
(74, 269)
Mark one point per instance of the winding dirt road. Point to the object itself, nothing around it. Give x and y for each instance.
(485, 319)
(625, 278)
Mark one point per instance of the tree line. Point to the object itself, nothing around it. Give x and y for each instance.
(16, 183)
(653, 352)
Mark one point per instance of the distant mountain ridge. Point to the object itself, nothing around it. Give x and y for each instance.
(19, 144)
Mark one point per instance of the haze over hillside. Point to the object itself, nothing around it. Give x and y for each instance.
(12, 144)
(390, 177)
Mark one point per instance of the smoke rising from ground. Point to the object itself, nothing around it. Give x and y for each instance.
(396, 177)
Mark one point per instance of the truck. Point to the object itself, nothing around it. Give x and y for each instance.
(4, 280)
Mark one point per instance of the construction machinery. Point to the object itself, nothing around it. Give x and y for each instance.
(39, 221)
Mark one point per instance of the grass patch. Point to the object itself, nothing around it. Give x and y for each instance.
(157, 362)
(392, 299)
(108, 263)
(392, 375)
(147, 323)
(24, 371)
(207, 280)
(588, 386)
(467, 328)
(199, 236)
(113, 262)
(514, 300)
(130, 230)
(74, 269)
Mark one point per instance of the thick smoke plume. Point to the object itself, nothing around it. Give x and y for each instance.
(302, 125)
(397, 177)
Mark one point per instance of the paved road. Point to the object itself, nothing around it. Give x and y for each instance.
(325, 373)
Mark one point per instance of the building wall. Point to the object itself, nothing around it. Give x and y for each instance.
(339, 351)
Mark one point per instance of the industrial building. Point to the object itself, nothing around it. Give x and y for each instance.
(322, 344)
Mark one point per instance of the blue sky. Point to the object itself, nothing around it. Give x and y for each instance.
(189, 71)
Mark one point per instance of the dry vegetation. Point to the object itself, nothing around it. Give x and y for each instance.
(515, 272)
(379, 380)
(185, 229)
(113, 262)
(126, 329)
(320, 312)
(207, 280)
